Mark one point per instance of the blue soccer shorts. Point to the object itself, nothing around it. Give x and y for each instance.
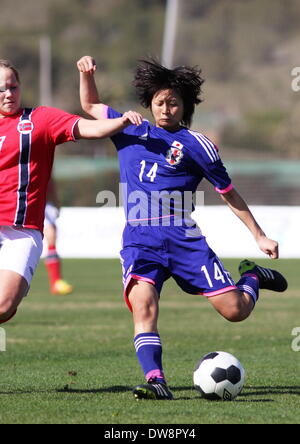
(154, 254)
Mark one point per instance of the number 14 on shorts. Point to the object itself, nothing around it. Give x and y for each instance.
(217, 274)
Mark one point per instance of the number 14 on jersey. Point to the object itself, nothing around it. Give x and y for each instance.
(151, 174)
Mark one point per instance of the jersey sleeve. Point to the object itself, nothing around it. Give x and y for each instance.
(206, 159)
(60, 125)
(112, 113)
(128, 135)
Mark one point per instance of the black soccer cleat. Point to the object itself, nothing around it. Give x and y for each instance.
(152, 390)
(268, 279)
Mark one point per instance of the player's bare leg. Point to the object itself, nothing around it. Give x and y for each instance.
(235, 306)
(50, 234)
(13, 287)
(144, 298)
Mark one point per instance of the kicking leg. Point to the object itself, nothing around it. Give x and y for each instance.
(237, 305)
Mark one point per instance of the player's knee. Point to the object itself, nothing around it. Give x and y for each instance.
(144, 301)
(145, 308)
(7, 311)
(233, 308)
(4, 308)
(235, 317)
(236, 314)
(236, 311)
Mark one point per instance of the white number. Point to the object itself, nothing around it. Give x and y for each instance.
(2, 141)
(151, 174)
(218, 274)
(204, 269)
(143, 163)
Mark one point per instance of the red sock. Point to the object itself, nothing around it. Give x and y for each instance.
(52, 263)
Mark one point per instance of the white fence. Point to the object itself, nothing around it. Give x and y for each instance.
(96, 232)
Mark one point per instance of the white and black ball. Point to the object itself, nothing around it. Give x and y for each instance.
(219, 376)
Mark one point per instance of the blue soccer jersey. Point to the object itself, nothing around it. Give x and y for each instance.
(160, 170)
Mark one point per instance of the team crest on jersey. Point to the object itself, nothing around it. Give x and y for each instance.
(175, 154)
(25, 126)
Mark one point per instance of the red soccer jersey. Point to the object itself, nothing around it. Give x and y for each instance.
(27, 145)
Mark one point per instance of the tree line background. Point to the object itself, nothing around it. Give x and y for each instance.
(245, 48)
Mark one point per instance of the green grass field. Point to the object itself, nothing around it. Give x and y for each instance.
(71, 359)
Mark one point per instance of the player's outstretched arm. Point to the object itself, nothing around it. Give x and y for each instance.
(239, 207)
(89, 97)
(99, 129)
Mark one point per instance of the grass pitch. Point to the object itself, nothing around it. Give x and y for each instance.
(70, 359)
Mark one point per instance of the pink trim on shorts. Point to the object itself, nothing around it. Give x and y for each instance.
(230, 187)
(151, 218)
(138, 278)
(222, 290)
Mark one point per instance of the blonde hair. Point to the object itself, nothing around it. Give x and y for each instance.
(7, 64)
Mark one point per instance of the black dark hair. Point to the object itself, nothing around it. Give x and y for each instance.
(151, 77)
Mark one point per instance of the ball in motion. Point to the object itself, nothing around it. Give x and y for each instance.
(219, 375)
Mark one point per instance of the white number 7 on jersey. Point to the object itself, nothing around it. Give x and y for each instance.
(2, 138)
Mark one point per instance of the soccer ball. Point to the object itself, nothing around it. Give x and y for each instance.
(219, 375)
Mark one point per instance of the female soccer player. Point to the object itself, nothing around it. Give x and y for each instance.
(160, 164)
(28, 137)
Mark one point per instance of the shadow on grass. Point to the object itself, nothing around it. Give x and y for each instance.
(112, 389)
(249, 393)
(115, 389)
(196, 395)
(258, 390)
(272, 390)
(175, 390)
(68, 389)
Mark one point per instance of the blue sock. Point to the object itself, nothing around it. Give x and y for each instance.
(149, 352)
(249, 284)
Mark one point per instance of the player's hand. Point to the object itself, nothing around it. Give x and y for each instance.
(132, 118)
(269, 247)
(87, 64)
